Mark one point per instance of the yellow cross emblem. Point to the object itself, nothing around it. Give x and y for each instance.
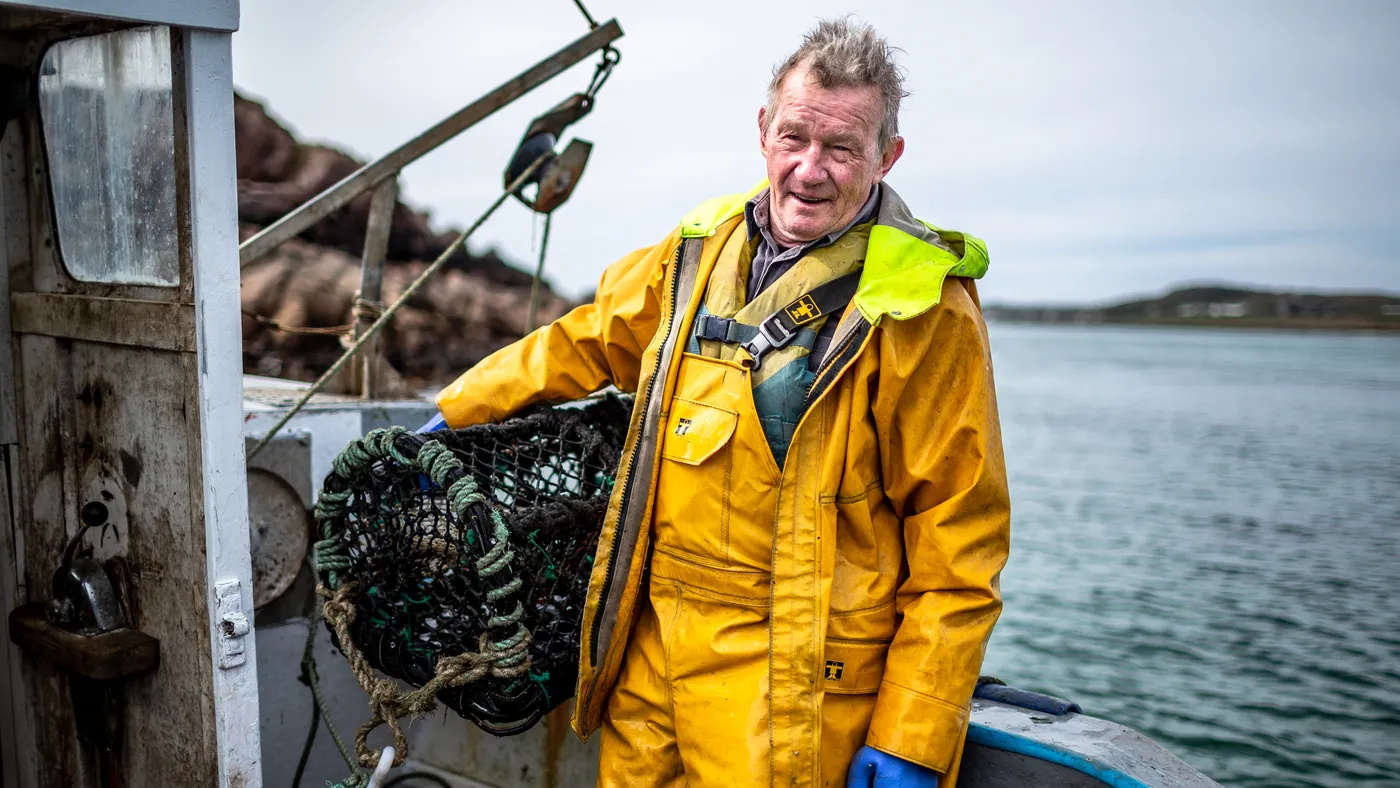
(803, 310)
(834, 669)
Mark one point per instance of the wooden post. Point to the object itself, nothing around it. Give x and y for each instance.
(381, 221)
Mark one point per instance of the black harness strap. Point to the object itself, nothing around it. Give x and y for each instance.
(732, 332)
(778, 329)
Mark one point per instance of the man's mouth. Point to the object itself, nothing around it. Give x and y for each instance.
(805, 200)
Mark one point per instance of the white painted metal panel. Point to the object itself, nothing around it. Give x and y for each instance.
(205, 14)
(214, 248)
(548, 755)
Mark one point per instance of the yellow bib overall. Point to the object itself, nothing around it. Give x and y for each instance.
(691, 705)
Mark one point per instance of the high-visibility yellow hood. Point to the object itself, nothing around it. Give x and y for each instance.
(906, 263)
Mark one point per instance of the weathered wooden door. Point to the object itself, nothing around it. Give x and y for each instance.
(121, 386)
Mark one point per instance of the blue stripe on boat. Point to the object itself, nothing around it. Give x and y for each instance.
(1010, 742)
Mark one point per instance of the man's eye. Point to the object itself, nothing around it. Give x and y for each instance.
(842, 148)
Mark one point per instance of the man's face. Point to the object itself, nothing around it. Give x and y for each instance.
(823, 154)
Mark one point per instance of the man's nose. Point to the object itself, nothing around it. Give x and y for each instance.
(810, 167)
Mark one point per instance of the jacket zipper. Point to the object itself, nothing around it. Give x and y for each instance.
(632, 464)
(840, 358)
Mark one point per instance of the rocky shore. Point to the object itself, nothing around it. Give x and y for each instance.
(476, 304)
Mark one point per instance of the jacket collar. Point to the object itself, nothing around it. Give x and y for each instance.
(906, 262)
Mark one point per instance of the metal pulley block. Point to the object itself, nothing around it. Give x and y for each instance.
(556, 178)
(83, 628)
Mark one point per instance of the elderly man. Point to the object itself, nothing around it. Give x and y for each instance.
(798, 571)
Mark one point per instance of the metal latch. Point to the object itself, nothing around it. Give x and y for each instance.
(233, 623)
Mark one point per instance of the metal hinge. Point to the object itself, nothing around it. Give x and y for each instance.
(233, 623)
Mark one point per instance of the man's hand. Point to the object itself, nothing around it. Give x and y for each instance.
(874, 769)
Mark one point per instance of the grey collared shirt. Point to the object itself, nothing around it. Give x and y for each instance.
(770, 260)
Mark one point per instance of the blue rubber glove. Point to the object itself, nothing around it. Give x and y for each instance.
(434, 424)
(874, 769)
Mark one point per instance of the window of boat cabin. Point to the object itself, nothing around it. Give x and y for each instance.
(109, 140)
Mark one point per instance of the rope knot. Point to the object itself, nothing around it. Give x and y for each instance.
(367, 310)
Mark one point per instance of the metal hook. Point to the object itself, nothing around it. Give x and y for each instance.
(386, 759)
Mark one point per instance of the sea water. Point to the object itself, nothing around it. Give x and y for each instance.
(1206, 542)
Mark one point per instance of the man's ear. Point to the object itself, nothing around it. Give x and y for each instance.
(762, 131)
(893, 150)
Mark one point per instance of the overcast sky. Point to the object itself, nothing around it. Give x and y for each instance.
(1100, 148)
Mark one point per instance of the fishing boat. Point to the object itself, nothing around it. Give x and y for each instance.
(155, 502)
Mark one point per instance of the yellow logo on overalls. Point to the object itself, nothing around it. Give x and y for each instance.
(803, 309)
(834, 670)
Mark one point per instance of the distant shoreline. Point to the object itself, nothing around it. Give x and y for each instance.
(1223, 306)
(1244, 324)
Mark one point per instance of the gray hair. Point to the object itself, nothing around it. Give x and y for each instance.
(846, 53)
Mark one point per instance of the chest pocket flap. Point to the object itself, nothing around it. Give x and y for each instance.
(695, 431)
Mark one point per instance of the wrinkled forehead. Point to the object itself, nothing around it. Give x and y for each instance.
(802, 103)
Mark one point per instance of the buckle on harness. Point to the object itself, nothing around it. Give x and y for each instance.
(772, 335)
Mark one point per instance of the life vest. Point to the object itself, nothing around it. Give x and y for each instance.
(775, 332)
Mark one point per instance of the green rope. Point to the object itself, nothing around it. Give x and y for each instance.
(328, 555)
(500, 553)
(497, 594)
(505, 658)
(332, 504)
(358, 456)
(437, 461)
(540, 679)
(352, 459)
(312, 677)
(383, 442)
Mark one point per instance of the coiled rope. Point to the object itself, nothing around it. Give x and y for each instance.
(506, 657)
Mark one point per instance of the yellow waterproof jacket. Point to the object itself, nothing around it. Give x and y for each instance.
(893, 516)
